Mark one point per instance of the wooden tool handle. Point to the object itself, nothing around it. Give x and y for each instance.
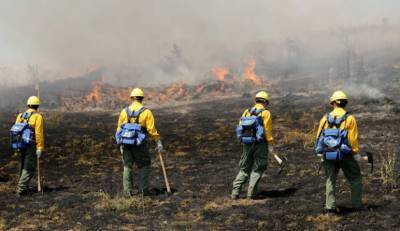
(164, 173)
(39, 184)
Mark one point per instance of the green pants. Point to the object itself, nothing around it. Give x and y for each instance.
(252, 165)
(141, 157)
(28, 167)
(351, 171)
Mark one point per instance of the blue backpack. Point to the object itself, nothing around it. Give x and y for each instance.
(21, 133)
(250, 129)
(332, 141)
(131, 134)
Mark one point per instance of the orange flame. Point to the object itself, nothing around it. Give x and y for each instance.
(250, 74)
(123, 95)
(96, 94)
(174, 91)
(220, 73)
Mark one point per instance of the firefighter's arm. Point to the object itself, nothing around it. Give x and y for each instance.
(122, 119)
(150, 126)
(320, 127)
(353, 134)
(18, 118)
(267, 121)
(243, 115)
(39, 134)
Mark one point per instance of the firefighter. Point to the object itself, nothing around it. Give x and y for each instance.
(257, 143)
(134, 149)
(349, 163)
(32, 150)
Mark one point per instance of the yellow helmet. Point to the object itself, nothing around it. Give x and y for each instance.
(137, 92)
(338, 95)
(33, 100)
(262, 95)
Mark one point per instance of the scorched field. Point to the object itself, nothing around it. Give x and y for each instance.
(82, 171)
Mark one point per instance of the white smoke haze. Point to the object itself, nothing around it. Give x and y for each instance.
(162, 41)
(363, 91)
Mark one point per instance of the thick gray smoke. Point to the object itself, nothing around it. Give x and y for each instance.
(159, 41)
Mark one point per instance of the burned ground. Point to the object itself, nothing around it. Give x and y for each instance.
(83, 172)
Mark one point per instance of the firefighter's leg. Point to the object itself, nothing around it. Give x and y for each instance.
(352, 172)
(28, 168)
(259, 166)
(143, 161)
(331, 171)
(245, 165)
(127, 159)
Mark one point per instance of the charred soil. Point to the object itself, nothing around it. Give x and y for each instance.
(83, 172)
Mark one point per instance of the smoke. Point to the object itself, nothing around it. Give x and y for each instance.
(161, 41)
(363, 91)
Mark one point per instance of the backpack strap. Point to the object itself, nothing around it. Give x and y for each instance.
(137, 113)
(26, 116)
(340, 120)
(330, 120)
(128, 113)
(333, 121)
(255, 112)
(134, 114)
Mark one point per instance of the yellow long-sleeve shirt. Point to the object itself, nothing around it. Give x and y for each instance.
(267, 121)
(36, 122)
(146, 120)
(350, 125)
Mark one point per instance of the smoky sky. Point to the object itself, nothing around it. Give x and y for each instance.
(68, 37)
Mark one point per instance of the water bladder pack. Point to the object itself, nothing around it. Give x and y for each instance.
(131, 134)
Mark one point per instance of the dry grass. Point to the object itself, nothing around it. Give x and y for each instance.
(323, 222)
(306, 138)
(86, 160)
(53, 119)
(388, 170)
(119, 203)
(211, 206)
(3, 224)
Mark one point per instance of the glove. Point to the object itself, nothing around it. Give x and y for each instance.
(160, 146)
(357, 157)
(39, 153)
(270, 149)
